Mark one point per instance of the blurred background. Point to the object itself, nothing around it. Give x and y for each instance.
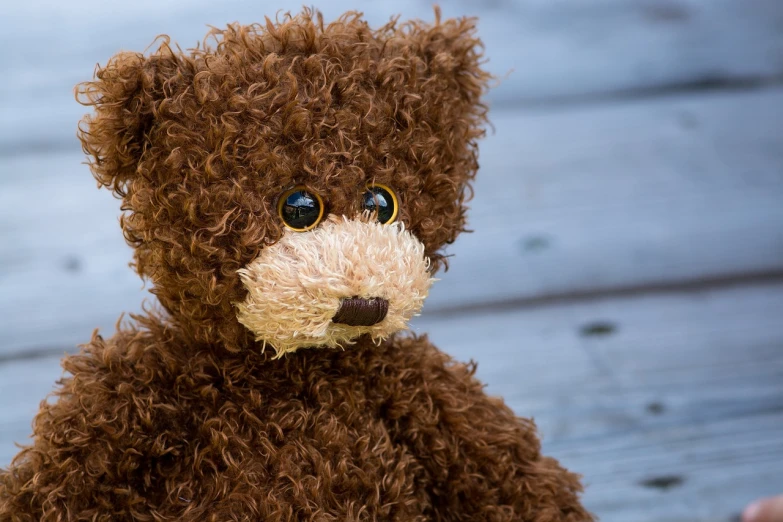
(624, 284)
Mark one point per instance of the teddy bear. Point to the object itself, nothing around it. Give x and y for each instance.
(287, 189)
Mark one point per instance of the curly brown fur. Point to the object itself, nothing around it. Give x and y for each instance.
(148, 428)
(181, 415)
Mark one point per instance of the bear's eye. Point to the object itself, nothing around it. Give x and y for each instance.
(382, 199)
(300, 209)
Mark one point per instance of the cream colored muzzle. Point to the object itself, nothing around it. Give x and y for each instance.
(296, 286)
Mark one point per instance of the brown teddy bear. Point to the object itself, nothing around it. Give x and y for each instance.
(287, 193)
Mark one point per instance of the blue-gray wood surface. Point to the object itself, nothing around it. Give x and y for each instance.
(629, 296)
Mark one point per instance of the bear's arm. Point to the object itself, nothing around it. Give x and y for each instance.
(92, 457)
(483, 462)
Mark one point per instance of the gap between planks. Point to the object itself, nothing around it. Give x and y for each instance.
(477, 309)
(675, 286)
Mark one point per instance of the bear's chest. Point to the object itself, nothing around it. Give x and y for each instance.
(311, 437)
(294, 458)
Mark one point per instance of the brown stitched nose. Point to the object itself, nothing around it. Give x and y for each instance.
(358, 311)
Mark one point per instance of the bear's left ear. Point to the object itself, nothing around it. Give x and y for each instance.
(451, 78)
(454, 73)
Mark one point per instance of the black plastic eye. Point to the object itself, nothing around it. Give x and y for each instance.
(382, 199)
(300, 209)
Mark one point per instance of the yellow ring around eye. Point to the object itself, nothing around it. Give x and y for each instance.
(394, 199)
(300, 188)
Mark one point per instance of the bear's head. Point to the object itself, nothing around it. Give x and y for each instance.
(293, 183)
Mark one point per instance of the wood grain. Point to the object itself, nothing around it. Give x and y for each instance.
(671, 405)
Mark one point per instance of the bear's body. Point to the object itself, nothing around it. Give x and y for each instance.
(287, 194)
(144, 431)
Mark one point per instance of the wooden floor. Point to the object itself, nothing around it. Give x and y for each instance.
(629, 296)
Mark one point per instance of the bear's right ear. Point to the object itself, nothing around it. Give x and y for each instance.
(126, 95)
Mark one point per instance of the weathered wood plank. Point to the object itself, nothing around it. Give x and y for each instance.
(567, 49)
(672, 409)
(680, 388)
(693, 472)
(593, 199)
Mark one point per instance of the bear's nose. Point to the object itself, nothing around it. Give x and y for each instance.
(359, 311)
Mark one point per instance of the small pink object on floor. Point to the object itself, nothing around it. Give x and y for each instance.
(764, 510)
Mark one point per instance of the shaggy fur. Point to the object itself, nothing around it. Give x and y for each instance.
(182, 415)
(295, 285)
